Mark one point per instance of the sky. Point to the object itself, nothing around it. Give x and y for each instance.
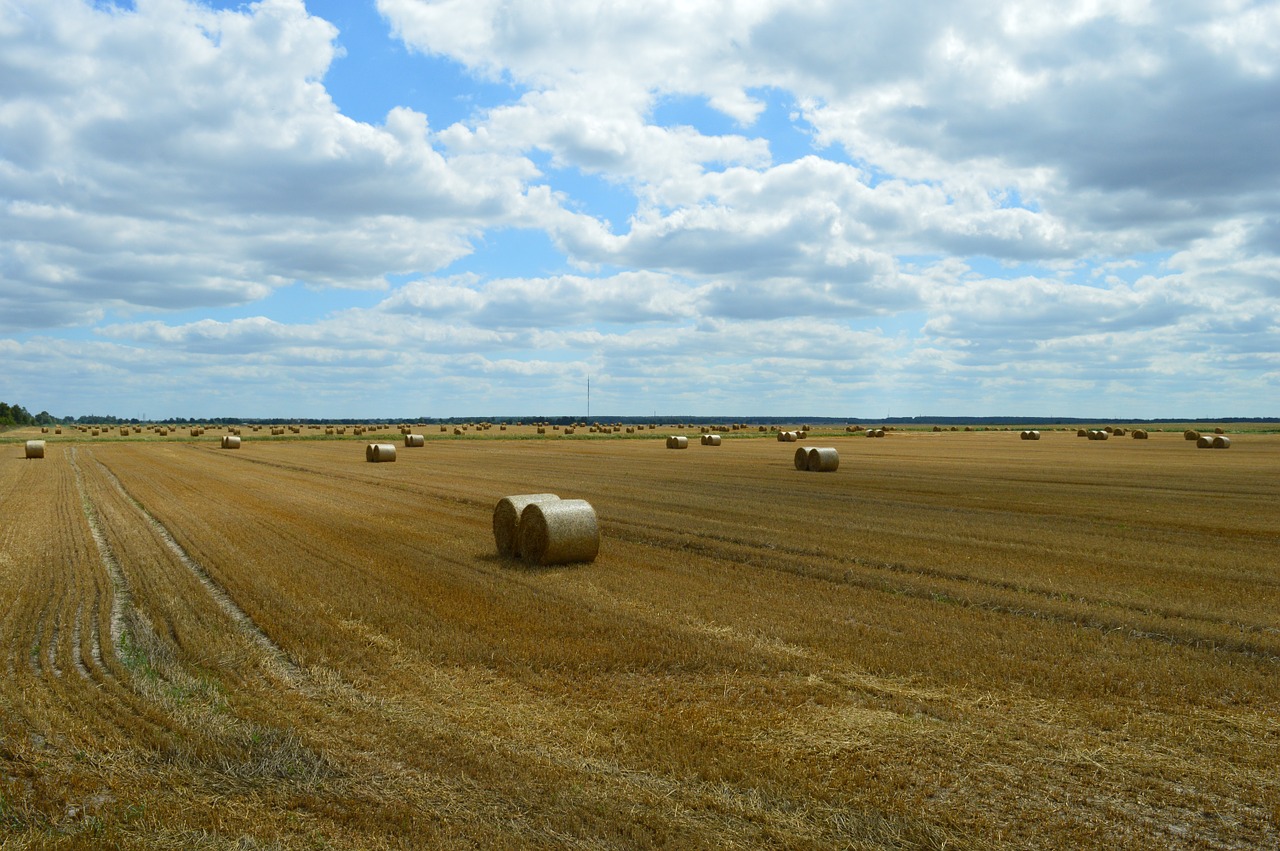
(436, 208)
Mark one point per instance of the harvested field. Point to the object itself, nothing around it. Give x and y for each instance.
(981, 646)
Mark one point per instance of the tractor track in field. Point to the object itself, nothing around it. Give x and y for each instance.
(285, 667)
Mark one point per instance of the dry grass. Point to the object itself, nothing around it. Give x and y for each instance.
(982, 647)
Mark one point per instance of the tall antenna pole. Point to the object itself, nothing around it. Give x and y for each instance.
(588, 396)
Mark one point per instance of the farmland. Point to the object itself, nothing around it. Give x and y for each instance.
(955, 640)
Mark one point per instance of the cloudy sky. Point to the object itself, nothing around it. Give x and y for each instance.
(345, 208)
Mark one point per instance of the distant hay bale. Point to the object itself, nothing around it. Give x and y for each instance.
(1031, 435)
(380, 452)
(1221, 441)
(230, 441)
(44, 429)
(823, 459)
(1204, 441)
(1219, 430)
(569, 429)
(788, 436)
(35, 448)
(1118, 432)
(506, 520)
(677, 442)
(801, 458)
(415, 440)
(1080, 432)
(1190, 435)
(875, 432)
(1099, 434)
(559, 532)
(711, 440)
(1140, 434)
(542, 429)
(57, 430)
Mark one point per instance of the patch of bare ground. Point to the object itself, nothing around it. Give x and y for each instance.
(957, 640)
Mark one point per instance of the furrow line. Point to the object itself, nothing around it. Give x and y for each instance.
(286, 668)
(120, 598)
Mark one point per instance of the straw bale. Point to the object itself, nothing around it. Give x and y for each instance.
(380, 452)
(1190, 435)
(1221, 441)
(677, 442)
(1099, 434)
(1031, 435)
(823, 459)
(1140, 434)
(1219, 430)
(1080, 432)
(801, 458)
(506, 520)
(44, 430)
(230, 441)
(415, 440)
(35, 448)
(559, 532)
(711, 440)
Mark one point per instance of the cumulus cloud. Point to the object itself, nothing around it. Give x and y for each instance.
(176, 156)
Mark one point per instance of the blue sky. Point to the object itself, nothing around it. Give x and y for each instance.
(412, 208)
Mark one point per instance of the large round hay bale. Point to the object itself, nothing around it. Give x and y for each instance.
(380, 452)
(713, 440)
(1204, 441)
(230, 441)
(1190, 435)
(823, 459)
(1080, 432)
(506, 520)
(1099, 434)
(1031, 435)
(677, 442)
(1219, 430)
(559, 532)
(1140, 434)
(788, 436)
(35, 448)
(801, 458)
(1221, 441)
(415, 440)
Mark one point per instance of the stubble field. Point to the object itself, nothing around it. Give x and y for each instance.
(955, 640)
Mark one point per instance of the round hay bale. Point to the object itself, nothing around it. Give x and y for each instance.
(35, 448)
(1190, 435)
(712, 440)
(789, 436)
(1204, 441)
(1119, 432)
(823, 459)
(415, 440)
(559, 532)
(1221, 441)
(1080, 432)
(1031, 435)
(1140, 434)
(801, 458)
(380, 452)
(230, 441)
(677, 442)
(506, 520)
(1219, 430)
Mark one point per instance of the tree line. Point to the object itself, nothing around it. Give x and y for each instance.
(16, 415)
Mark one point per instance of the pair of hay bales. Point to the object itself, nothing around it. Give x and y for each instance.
(817, 459)
(1099, 434)
(711, 440)
(1213, 441)
(677, 441)
(230, 441)
(380, 452)
(1030, 434)
(544, 529)
(415, 440)
(788, 436)
(35, 448)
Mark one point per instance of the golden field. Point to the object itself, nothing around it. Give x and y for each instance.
(956, 640)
